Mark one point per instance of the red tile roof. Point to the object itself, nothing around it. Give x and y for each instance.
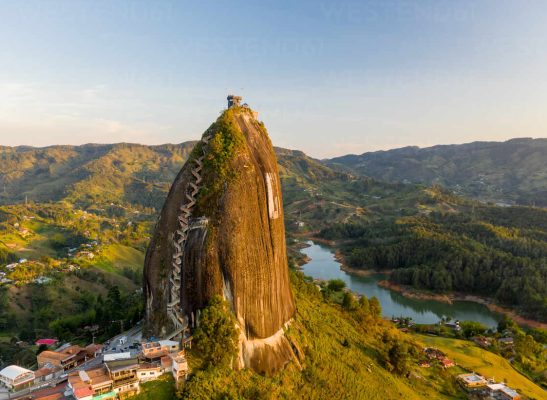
(47, 342)
(83, 392)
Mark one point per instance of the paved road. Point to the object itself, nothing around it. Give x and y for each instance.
(133, 335)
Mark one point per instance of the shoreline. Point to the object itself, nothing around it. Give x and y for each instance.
(364, 272)
(450, 298)
(412, 293)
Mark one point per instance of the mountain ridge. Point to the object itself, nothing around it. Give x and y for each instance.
(513, 172)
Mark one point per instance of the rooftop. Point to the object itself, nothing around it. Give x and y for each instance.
(98, 375)
(150, 345)
(83, 392)
(168, 343)
(54, 355)
(502, 388)
(45, 370)
(471, 378)
(120, 365)
(148, 366)
(116, 356)
(12, 372)
(47, 342)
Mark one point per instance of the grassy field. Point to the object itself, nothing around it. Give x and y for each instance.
(116, 257)
(473, 358)
(342, 360)
(161, 389)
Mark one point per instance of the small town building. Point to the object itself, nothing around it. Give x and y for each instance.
(187, 342)
(154, 351)
(506, 341)
(16, 378)
(482, 341)
(234, 101)
(169, 345)
(447, 363)
(453, 325)
(83, 393)
(47, 373)
(180, 366)
(149, 372)
(46, 342)
(150, 348)
(499, 391)
(125, 381)
(471, 381)
(166, 364)
(434, 354)
(54, 396)
(117, 356)
(93, 350)
(67, 358)
(93, 383)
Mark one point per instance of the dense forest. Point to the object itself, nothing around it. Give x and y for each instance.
(492, 251)
(509, 172)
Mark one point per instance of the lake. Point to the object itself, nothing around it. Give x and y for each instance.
(324, 266)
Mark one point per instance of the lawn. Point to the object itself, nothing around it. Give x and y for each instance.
(474, 358)
(161, 389)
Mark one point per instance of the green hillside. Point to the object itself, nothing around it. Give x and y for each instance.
(435, 239)
(341, 355)
(486, 363)
(123, 173)
(514, 171)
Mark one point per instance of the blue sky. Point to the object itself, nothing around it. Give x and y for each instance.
(328, 77)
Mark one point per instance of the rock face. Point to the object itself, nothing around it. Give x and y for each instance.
(221, 231)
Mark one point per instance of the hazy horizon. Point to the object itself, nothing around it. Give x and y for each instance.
(288, 148)
(328, 78)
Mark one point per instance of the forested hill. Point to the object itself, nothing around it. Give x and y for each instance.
(121, 173)
(434, 239)
(511, 171)
(127, 173)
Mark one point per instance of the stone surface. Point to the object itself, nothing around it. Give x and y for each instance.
(239, 252)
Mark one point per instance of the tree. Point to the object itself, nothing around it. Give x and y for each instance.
(41, 348)
(364, 304)
(506, 323)
(348, 302)
(336, 285)
(375, 307)
(399, 358)
(472, 328)
(114, 302)
(216, 334)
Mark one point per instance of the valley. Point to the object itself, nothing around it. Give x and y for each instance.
(76, 248)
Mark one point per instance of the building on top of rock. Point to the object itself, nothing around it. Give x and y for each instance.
(234, 101)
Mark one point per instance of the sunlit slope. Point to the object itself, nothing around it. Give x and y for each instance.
(473, 358)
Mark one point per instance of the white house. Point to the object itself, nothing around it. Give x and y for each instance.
(149, 372)
(15, 377)
(169, 346)
(180, 366)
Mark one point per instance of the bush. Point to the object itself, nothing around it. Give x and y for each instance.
(216, 334)
(348, 302)
(472, 328)
(375, 307)
(399, 358)
(336, 285)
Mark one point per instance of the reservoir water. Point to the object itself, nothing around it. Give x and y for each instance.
(324, 266)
